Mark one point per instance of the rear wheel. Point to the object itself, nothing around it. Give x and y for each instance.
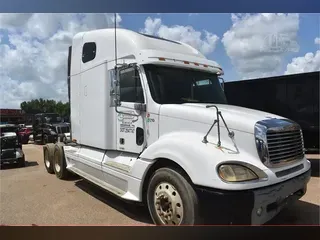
(48, 151)
(59, 162)
(171, 199)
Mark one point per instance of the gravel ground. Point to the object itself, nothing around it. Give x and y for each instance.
(32, 196)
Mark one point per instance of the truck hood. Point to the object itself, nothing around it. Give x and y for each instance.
(58, 124)
(8, 134)
(237, 118)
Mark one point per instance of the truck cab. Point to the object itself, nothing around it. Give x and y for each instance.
(164, 134)
(11, 146)
(44, 127)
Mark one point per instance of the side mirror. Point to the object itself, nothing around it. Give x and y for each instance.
(222, 82)
(140, 107)
(115, 90)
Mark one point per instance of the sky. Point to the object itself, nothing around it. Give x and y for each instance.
(33, 47)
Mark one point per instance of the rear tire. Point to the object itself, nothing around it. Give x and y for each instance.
(59, 162)
(171, 199)
(48, 151)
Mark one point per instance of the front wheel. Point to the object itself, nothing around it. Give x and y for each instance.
(21, 162)
(171, 199)
(45, 139)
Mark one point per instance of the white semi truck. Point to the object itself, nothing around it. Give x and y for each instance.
(150, 123)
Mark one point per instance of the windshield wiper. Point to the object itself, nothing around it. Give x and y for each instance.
(217, 121)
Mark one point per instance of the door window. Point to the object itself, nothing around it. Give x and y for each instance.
(130, 86)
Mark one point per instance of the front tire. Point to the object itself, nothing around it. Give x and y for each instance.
(59, 162)
(45, 139)
(171, 199)
(22, 162)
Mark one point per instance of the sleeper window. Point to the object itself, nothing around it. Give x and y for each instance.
(89, 52)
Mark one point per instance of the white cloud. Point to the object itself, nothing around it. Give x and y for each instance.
(310, 62)
(33, 63)
(151, 26)
(257, 43)
(11, 21)
(203, 41)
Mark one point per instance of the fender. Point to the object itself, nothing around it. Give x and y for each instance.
(186, 149)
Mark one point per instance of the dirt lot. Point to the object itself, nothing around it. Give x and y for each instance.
(32, 196)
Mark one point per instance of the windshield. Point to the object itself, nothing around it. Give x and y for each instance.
(170, 85)
(8, 129)
(52, 118)
(62, 129)
(65, 129)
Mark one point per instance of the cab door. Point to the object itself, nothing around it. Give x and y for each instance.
(130, 120)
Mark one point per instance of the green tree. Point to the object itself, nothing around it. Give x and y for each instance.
(46, 105)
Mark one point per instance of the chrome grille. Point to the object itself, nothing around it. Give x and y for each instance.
(278, 141)
(285, 145)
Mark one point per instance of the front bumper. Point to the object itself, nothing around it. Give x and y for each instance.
(53, 138)
(11, 155)
(10, 160)
(24, 138)
(255, 206)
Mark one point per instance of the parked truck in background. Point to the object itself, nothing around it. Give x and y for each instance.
(11, 146)
(164, 135)
(49, 128)
(24, 133)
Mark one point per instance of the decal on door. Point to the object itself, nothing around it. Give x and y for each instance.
(127, 122)
(148, 119)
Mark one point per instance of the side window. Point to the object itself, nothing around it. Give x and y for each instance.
(89, 51)
(130, 86)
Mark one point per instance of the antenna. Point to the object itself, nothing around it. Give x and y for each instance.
(115, 38)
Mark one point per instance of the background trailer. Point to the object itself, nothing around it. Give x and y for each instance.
(11, 116)
(293, 96)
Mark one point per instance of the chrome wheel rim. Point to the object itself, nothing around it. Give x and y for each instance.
(57, 163)
(46, 159)
(168, 204)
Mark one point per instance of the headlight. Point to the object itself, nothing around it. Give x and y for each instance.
(18, 154)
(236, 173)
